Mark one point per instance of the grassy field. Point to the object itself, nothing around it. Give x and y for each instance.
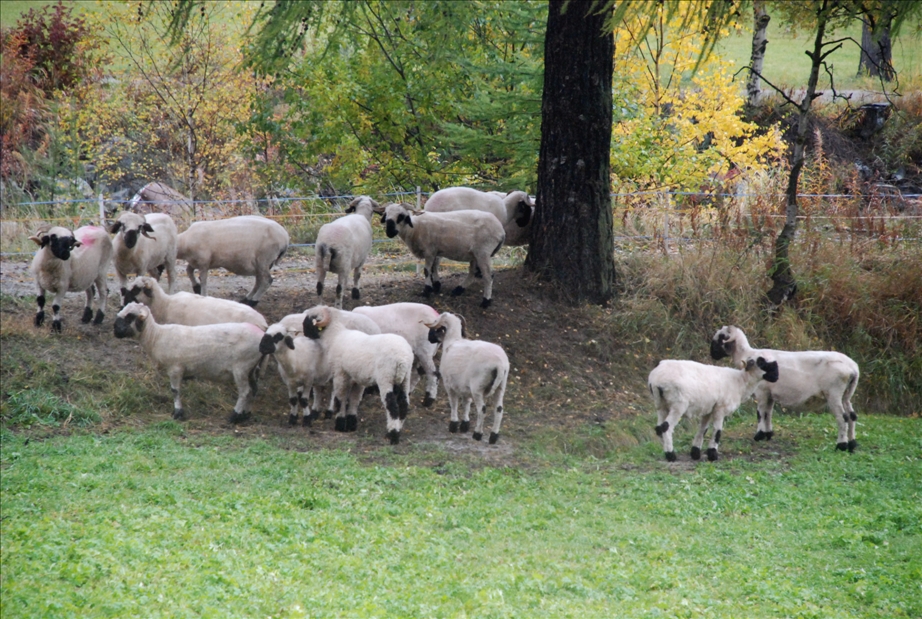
(160, 523)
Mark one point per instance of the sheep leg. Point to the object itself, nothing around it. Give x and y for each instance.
(320, 395)
(88, 306)
(102, 289)
(497, 412)
(453, 404)
(175, 383)
(342, 279)
(483, 261)
(427, 365)
(40, 301)
(123, 287)
(843, 420)
(341, 387)
(197, 287)
(356, 274)
(703, 424)
(431, 271)
(245, 387)
(171, 274)
(481, 409)
(263, 281)
(466, 414)
(764, 405)
(666, 427)
(394, 399)
(471, 274)
(295, 395)
(56, 309)
(715, 438)
(850, 410)
(352, 411)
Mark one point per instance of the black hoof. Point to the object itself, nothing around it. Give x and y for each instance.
(394, 436)
(712, 454)
(249, 302)
(319, 289)
(315, 415)
(352, 423)
(340, 424)
(56, 326)
(842, 446)
(236, 417)
(355, 293)
(179, 414)
(769, 435)
(100, 315)
(670, 456)
(292, 420)
(87, 315)
(328, 415)
(459, 290)
(429, 401)
(197, 288)
(465, 426)
(852, 445)
(477, 436)
(437, 287)
(453, 427)
(307, 420)
(39, 318)
(486, 303)
(427, 291)
(696, 453)
(760, 436)
(494, 436)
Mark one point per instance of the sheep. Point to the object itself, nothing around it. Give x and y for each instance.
(358, 360)
(70, 262)
(301, 364)
(245, 245)
(807, 377)
(186, 308)
(214, 352)
(159, 198)
(705, 391)
(407, 320)
(470, 370)
(514, 209)
(136, 251)
(343, 245)
(467, 236)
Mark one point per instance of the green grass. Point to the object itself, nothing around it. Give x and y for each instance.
(155, 523)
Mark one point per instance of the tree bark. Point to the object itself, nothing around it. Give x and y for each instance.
(757, 59)
(877, 48)
(573, 240)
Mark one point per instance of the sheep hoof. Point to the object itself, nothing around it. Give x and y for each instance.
(352, 423)
(249, 302)
(437, 287)
(56, 326)
(179, 414)
(197, 288)
(39, 318)
(429, 401)
(307, 420)
(696, 453)
(453, 427)
(394, 436)
(842, 446)
(670, 456)
(486, 303)
(712, 454)
(851, 445)
(760, 436)
(87, 315)
(340, 424)
(315, 415)
(236, 417)
(328, 415)
(465, 426)
(100, 315)
(494, 436)
(292, 419)
(459, 290)
(477, 436)
(427, 291)
(355, 293)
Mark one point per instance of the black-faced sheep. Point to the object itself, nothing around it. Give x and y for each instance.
(359, 360)
(807, 378)
(214, 352)
(246, 245)
(514, 209)
(343, 245)
(186, 308)
(467, 236)
(707, 392)
(470, 370)
(144, 245)
(71, 262)
(301, 365)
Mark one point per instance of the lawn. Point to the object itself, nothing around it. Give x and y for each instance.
(161, 523)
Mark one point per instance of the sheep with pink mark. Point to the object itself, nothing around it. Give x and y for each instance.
(706, 392)
(219, 352)
(68, 261)
(144, 245)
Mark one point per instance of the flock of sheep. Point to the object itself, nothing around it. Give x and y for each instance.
(335, 355)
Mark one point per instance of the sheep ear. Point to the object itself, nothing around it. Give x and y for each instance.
(750, 363)
(289, 342)
(383, 218)
(114, 228)
(75, 243)
(41, 241)
(409, 221)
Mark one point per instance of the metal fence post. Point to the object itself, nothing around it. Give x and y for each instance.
(102, 211)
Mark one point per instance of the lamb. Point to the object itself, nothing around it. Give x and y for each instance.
(471, 370)
(246, 245)
(359, 360)
(514, 209)
(70, 262)
(186, 308)
(807, 377)
(467, 236)
(343, 245)
(301, 365)
(215, 352)
(137, 252)
(708, 392)
(408, 321)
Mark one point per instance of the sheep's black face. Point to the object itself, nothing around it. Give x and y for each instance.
(310, 328)
(719, 346)
(436, 335)
(124, 325)
(267, 344)
(61, 246)
(391, 228)
(523, 212)
(770, 368)
(131, 238)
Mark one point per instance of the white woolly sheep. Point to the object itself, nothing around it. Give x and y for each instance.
(408, 321)
(467, 236)
(71, 262)
(214, 352)
(514, 209)
(807, 378)
(708, 392)
(159, 198)
(359, 360)
(246, 245)
(144, 245)
(343, 245)
(301, 365)
(470, 370)
(186, 308)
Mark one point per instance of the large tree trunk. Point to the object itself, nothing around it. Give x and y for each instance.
(757, 59)
(877, 49)
(572, 244)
